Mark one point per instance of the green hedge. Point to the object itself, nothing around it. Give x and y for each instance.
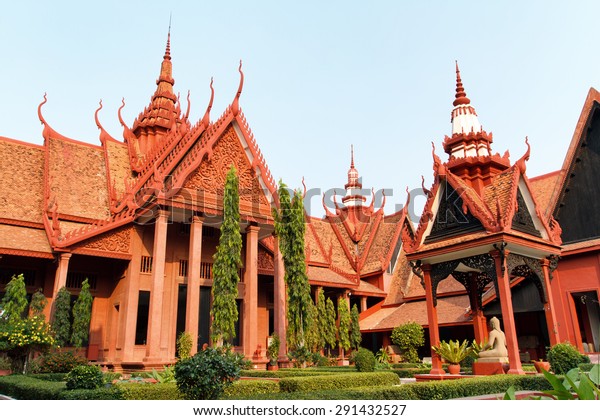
(434, 390)
(243, 389)
(147, 391)
(106, 393)
(410, 373)
(284, 373)
(27, 388)
(410, 366)
(346, 380)
(52, 377)
(586, 367)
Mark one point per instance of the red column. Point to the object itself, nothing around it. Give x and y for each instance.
(432, 320)
(363, 303)
(549, 306)
(508, 316)
(479, 322)
(153, 350)
(193, 281)
(60, 278)
(279, 304)
(250, 340)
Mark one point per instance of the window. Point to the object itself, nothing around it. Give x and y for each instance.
(205, 270)
(6, 274)
(146, 265)
(141, 326)
(75, 280)
(183, 268)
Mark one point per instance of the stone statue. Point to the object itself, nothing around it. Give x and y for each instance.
(496, 344)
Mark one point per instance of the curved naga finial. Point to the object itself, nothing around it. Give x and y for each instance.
(127, 133)
(206, 117)
(235, 106)
(96, 115)
(304, 192)
(372, 205)
(425, 190)
(521, 162)
(103, 134)
(187, 112)
(40, 116)
(405, 208)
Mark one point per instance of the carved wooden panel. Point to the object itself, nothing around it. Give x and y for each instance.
(211, 174)
(265, 260)
(115, 241)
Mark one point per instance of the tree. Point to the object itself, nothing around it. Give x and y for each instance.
(61, 320)
(14, 301)
(38, 304)
(82, 314)
(345, 320)
(330, 330)
(21, 336)
(228, 261)
(322, 318)
(409, 337)
(311, 336)
(355, 335)
(290, 228)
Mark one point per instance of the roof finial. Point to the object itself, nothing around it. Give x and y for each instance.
(351, 156)
(167, 55)
(461, 96)
(235, 106)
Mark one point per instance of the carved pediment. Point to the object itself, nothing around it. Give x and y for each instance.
(118, 240)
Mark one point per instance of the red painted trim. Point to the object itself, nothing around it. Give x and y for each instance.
(23, 253)
(99, 253)
(22, 223)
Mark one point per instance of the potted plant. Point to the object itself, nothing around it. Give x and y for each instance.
(273, 351)
(5, 366)
(453, 353)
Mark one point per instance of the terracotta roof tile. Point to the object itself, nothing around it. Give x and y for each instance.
(543, 188)
(581, 245)
(119, 165)
(499, 191)
(401, 280)
(78, 179)
(325, 275)
(22, 238)
(382, 243)
(451, 310)
(329, 240)
(22, 186)
(367, 288)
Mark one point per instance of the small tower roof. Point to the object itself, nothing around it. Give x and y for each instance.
(464, 118)
(353, 195)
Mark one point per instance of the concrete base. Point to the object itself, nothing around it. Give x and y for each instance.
(490, 368)
(435, 377)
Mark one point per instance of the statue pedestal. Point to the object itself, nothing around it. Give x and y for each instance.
(491, 366)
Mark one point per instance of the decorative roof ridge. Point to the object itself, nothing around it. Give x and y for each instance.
(350, 276)
(544, 176)
(131, 140)
(49, 133)
(259, 159)
(349, 254)
(104, 136)
(593, 97)
(22, 143)
(387, 258)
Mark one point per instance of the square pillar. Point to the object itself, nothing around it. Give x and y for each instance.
(432, 320)
(279, 301)
(508, 316)
(251, 292)
(153, 351)
(479, 322)
(549, 306)
(193, 281)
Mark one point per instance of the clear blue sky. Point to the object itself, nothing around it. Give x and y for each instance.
(319, 76)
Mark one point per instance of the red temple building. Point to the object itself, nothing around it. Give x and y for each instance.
(139, 218)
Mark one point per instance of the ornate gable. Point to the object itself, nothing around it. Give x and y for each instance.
(522, 220)
(452, 217)
(209, 178)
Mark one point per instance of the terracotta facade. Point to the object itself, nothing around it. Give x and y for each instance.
(139, 218)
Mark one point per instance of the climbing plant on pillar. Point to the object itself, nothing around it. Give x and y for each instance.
(290, 228)
(227, 262)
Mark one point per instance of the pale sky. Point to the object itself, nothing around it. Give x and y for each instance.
(319, 76)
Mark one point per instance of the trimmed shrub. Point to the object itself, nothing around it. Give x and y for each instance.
(364, 360)
(147, 391)
(410, 373)
(52, 377)
(284, 373)
(243, 389)
(410, 365)
(564, 356)
(341, 381)
(27, 388)
(85, 377)
(105, 393)
(184, 345)
(409, 337)
(206, 375)
(58, 362)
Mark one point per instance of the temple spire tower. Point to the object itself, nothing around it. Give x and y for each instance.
(353, 197)
(163, 114)
(469, 148)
